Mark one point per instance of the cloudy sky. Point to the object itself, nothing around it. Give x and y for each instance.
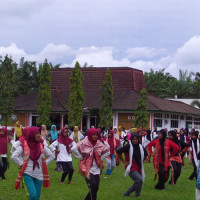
(143, 34)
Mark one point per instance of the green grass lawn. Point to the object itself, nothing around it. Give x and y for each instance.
(111, 187)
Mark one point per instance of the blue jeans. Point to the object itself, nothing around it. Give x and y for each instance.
(33, 186)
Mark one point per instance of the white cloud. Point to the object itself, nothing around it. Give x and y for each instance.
(145, 58)
(99, 57)
(144, 53)
(187, 57)
(51, 52)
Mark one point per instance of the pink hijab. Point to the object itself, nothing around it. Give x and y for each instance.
(65, 140)
(91, 132)
(25, 133)
(34, 146)
(3, 141)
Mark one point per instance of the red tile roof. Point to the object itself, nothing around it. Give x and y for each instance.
(127, 82)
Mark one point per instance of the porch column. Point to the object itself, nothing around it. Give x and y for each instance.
(152, 121)
(88, 122)
(61, 121)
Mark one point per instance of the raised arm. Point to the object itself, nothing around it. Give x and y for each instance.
(150, 145)
(50, 156)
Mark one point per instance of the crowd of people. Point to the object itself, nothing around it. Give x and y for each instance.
(33, 148)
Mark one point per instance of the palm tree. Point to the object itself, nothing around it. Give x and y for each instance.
(195, 103)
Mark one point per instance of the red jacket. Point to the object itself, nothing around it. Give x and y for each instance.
(168, 145)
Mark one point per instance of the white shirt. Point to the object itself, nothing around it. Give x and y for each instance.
(63, 155)
(94, 169)
(18, 158)
(80, 136)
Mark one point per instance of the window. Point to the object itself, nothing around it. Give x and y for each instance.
(188, 118)
(174, 123)
(197, 125)
(182, 117)
(197, 119)
(157, 115)
(174, 116)
(157, 123)
(166, 116)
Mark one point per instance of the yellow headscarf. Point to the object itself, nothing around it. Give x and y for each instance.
(133, 130)
(119, 130)
(76, 134)
(18, 130)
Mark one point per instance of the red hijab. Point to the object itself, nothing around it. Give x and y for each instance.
(25, 133)
(35, 150)
(99, 135)
(91, 132)
(65, 140)
(111, 142)
(3, 141)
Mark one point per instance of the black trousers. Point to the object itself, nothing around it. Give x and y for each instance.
(67, 169)
(93, 184)
(177, 170)
(194, 173)
(3, 167)
(162, 177)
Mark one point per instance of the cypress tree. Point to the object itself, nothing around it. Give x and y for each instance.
(44, 97)
(76, 97)
(105, 112)
(7, 89)
(141, 114)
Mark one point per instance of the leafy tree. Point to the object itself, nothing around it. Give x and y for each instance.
(7, 89)
(27, 77)
(195, 103)
(44, 97)
(105, 112)
(159, 83)
(54, 66)
(85, 65)
(196, 86)
(76, 97)
(141, 114)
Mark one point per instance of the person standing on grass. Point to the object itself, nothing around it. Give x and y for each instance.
(30, 157)
(76, 135)
(176, 160)
(134, 158)
(198, 179)
(111, 159)
(4, 150)
(91, 151)
(63, 147)
(53, 133)
(195, 146)
(164, 149)
(44, 134)
(21, 139)
(17, 131)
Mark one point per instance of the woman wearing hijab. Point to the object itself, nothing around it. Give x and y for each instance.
(176, 160)
(91, 151)
(30, 156)
(111, 159)
(76, 135)
(161, 157)
(54, 133)
(63, 147)
(21, 139)
(17, 131)
(44, 134)
(4, 139)
(194, 144)
(134, 157)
